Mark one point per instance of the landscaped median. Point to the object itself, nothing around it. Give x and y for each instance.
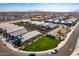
(44, 43)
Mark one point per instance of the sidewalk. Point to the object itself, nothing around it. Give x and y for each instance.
(76, 51)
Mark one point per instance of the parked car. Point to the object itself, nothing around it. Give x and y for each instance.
(32, 54)
(55, 51)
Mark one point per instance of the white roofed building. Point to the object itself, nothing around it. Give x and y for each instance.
(19, 32)
(52, 33)
(73, 19)
(30, 35)
(37, 22)
(10, 27)
(49, 25)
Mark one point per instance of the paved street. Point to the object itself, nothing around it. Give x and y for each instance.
(5, 51)
(14, 21)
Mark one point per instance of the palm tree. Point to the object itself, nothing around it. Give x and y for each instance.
(59, 35)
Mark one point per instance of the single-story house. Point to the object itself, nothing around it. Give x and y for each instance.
(48, 25)
(10, 27)
(30, 35)
(52, 33)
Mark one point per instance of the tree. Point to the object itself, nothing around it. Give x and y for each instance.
(17, 42)
(59, 35)
(1, 30)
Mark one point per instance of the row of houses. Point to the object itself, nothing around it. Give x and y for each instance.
(56, 35)
(61, 21)
(16, 34)
(8, 18)
(13, 17)
(44, 24)
(10, 27)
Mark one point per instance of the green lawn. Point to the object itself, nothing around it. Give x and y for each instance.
(42, 44)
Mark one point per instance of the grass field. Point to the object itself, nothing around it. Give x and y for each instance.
(42, 44)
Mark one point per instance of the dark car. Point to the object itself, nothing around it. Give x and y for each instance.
(32, 54)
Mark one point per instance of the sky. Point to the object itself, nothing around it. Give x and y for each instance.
(55, 7)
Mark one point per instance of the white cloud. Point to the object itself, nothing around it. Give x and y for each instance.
(43, 7)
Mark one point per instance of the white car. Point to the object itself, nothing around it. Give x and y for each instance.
(54, 51)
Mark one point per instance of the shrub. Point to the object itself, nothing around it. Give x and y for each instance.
(51, 36)
(1, 30)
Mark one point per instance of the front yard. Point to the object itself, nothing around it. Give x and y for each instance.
(42, 44)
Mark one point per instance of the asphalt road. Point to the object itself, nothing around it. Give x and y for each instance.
(5, 51)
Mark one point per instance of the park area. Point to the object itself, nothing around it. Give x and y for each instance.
(44, 43)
